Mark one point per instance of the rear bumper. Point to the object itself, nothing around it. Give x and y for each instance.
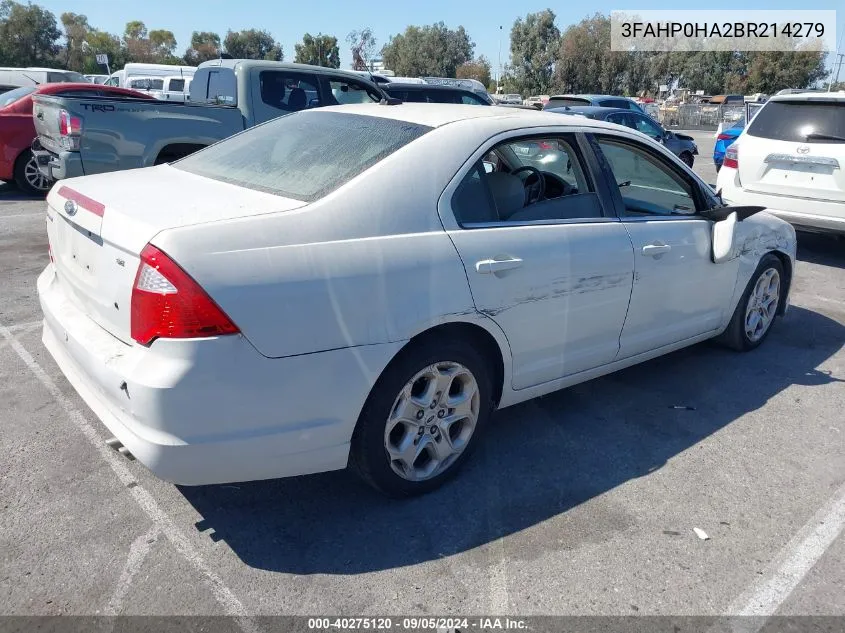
(212, 410)
(58, 166)
(804, 213)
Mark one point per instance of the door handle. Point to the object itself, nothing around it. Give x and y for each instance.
(655, 250)
(492, 266)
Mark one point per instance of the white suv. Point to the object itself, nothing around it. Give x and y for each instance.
(791, 159)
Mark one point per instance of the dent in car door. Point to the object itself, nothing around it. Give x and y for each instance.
(678, 292)
(562, 304)
(558, 288)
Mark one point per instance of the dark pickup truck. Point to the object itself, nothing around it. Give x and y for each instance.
(79, 135)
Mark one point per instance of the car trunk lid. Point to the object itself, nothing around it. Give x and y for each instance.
(98, 225)
(779, 154)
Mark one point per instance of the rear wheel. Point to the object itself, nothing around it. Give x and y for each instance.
(687, 158)
(28, 177)
(755, 314)
(422, 418)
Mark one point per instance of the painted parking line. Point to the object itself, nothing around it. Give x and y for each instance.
(794, 561)
(165, 525)
(23, 215)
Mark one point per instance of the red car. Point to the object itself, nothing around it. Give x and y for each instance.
(17, 130)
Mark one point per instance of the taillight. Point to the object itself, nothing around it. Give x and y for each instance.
(70, 128)
(731, 157)
(168, 303)
(723, 137)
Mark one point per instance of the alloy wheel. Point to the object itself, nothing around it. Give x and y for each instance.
(432, 420)
(762, 305)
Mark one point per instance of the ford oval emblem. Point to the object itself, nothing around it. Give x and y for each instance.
(70, 207)
(803, 149)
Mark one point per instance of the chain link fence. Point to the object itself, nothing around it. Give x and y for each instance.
(699, 116)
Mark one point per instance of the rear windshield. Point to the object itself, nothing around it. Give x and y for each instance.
(794, 120)
(304, 155)
(567, 101)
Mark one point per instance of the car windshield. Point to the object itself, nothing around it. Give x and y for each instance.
(8, 98)
(304, 155)
(817, 121)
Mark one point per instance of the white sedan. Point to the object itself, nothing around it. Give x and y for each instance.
(365, 284)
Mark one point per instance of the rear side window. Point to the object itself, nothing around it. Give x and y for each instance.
(287, 91)
(615, 103)
(305, 155)
(795, 120)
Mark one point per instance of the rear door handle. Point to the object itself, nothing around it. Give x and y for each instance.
(490, 266)
(655, 250)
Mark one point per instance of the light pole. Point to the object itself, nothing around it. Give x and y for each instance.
(499, 71)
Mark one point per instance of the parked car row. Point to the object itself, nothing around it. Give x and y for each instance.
(17, 129)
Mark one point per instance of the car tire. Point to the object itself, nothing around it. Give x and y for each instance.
(408, 397)
(687, 158)
(744, 332)
(27, 176)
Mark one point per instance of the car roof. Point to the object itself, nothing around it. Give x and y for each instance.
(810, 96)
(264, 63)
(596, 110)
(439, 114)
(407, 86)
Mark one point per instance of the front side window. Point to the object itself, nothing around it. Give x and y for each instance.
(290, 92)
(303, 156)
(648, 185)
(527, 180)
(176, 85)
(112, 81)
(345, 91)
(646, 126)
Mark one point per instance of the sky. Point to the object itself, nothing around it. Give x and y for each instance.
(289, 20)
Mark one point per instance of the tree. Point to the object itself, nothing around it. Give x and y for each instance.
(478, 69)
(253, 44)
(204, 46)
(138, 47)
(135, 30)
(28, 35)
(163, 43)
(428, 50)
(76, 30)
(535, 43)
(319, 50)
(107, 44)
(363, 46)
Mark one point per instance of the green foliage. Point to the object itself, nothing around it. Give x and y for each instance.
(478, 69)
(428, 51)
(318, 50)
(253, 44)
(535, 42)
(28, 35)
(204, 46)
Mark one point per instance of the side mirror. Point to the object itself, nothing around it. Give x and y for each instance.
(723, 239)
(724, 229)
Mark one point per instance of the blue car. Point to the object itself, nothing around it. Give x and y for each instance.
(724, 140)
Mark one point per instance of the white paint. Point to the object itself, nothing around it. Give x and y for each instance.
(795, 560)
(230, 603)
(138, 551)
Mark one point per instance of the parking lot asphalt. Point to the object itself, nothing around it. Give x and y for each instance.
(581, 502)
